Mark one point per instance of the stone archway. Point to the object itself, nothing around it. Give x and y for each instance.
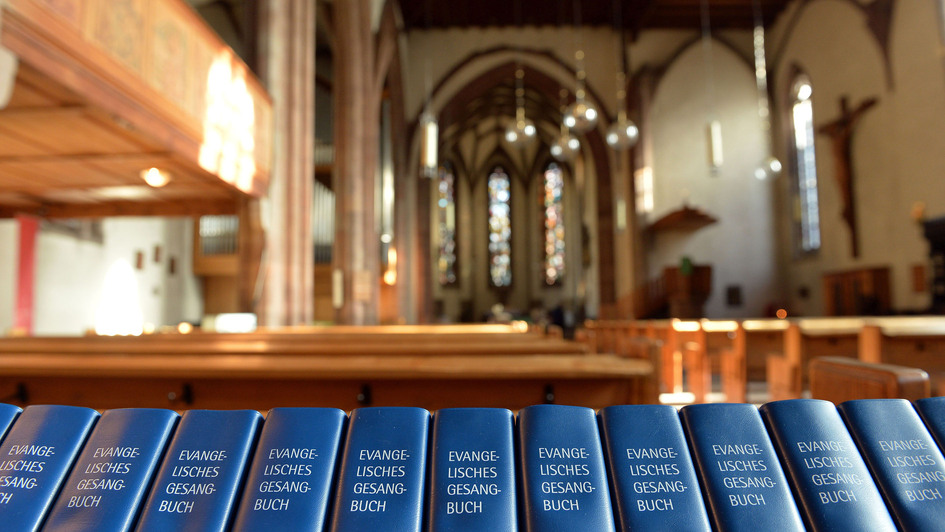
(543, 88)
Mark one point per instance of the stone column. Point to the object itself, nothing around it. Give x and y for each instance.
(355, 259)
(287, 69)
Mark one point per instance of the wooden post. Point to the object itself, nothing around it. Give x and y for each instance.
(870, 344)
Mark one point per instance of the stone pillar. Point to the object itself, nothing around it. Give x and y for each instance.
(355, 260)
(287, 69)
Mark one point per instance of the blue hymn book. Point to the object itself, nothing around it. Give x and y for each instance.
(932, 411)
(112, 475)
(904, 459)
(289, 484)
(8, 414)
(382, 477)
(564, 480)
(651, 473)
(741, 476)
(35, 458)
(833, 487)
(198, 482)
(472, 472)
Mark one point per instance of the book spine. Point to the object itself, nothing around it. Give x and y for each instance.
(932, 412)
(8, 414)
(35, 458)
(904, 459)
(289, 484)
(382, 477)
(741, 477)
(831, 482)
(199, 479)
(113, 473)
(652, 478)
(472, 471)
(564, 480)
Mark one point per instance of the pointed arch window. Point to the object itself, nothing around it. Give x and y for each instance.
(807, 212)
(553, 216)
(500, 228)
(446, 225)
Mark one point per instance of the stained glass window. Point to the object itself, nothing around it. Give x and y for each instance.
(554, 224)
(500, 228)
(446, 225)
(808, 212)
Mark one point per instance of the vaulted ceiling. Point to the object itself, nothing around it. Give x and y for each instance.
(633, 15)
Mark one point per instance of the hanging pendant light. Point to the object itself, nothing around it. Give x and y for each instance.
(580, 116)
(566, 147)
(713, 124)
(429, 128)
(770, 167)
(521, 131)
(623, 133)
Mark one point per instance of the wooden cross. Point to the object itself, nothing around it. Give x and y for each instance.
(840, 132)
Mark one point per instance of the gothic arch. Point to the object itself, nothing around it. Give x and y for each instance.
(545, 86)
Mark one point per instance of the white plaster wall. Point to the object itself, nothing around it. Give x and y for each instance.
(9, 242)
(897, 156)
(740, 246)
(70, 274)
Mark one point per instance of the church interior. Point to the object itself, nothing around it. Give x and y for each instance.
(259, 203)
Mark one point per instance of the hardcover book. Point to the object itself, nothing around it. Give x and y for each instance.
(904, 459)
(290, 480)
(112, 475)
(832, 484)
(35, 458)
(383, 470)
(564, 480)
(472, 473)
(741, 475)
(651, 472)
(200, 478)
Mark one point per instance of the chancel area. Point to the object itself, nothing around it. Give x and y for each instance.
(261, 203)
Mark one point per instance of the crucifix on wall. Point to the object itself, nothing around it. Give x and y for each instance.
(840, 132)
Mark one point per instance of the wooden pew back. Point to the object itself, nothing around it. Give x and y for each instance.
(841, 379)
(431, 368)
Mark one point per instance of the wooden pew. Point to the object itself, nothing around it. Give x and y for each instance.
(609, 336)
(265, 381)
(343, 340)
(624, 338)
(726, 342)
(804, 340)
(763, 337)
(914, 341)
(689, 350)
(841, 379)
(267, 369)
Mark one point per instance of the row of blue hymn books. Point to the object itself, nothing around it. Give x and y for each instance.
(789, 465)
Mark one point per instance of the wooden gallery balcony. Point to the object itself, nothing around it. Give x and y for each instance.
(95, 93)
